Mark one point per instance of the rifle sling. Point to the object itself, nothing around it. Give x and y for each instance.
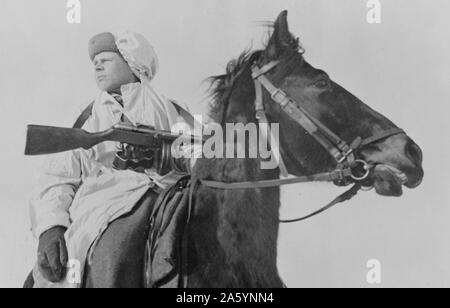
(84, 116)
(186, 115)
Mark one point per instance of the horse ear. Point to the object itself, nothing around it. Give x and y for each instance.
(281, 38)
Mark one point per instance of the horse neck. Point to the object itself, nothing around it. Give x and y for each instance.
(249, 232)
(237, 231)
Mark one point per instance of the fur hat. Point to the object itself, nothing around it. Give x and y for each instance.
(104, 42)
(133, 47)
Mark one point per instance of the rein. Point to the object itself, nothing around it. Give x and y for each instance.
(349, 169)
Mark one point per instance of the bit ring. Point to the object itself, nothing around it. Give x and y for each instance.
(365, 166)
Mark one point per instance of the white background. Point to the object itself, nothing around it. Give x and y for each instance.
(400, 68)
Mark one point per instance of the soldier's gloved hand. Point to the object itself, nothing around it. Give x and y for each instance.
(52, 254)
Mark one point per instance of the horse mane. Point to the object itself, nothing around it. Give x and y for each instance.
(221, 85)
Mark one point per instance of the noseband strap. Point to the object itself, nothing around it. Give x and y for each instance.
(381, 135)
(341, 151)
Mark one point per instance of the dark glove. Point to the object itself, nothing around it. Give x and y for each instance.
(52, 254)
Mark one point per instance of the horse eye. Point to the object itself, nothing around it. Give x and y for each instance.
(322, 84)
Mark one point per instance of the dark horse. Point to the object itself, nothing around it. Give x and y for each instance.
(233, 234)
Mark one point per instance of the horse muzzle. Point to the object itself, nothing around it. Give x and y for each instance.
(397, 162)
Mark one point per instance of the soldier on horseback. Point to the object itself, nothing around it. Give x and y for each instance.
(95, 206)
(82, 192)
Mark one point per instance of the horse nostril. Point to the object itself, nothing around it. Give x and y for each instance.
(414, 153)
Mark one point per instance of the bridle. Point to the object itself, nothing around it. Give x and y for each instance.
(349, 168)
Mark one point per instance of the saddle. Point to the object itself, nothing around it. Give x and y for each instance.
(166, 247)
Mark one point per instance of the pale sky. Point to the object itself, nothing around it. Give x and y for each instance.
(399, 67)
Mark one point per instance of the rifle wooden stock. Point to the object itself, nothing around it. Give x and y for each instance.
(43, 140)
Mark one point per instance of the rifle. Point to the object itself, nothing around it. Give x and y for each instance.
(43, 140)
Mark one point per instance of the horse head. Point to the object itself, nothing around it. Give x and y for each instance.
(396, 160)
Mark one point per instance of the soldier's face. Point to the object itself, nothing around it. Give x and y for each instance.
(112, 72)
